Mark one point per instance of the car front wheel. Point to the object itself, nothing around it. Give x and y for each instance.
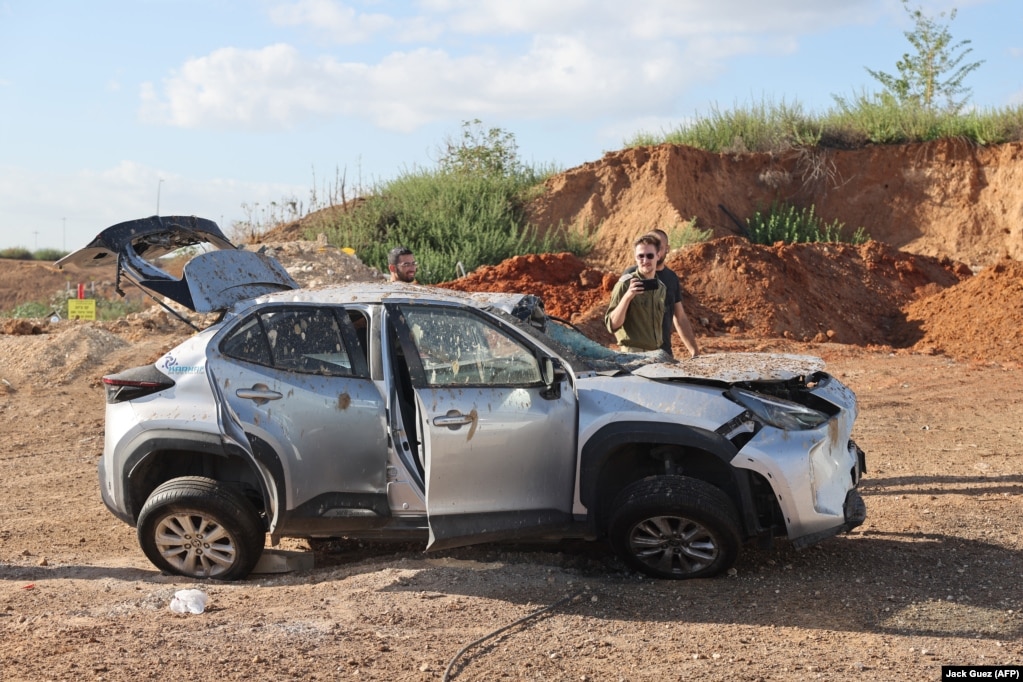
(674, 527)
(200, 528)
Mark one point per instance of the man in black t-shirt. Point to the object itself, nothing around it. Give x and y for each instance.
(674, 314)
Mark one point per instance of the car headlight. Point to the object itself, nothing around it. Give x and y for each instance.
(778, 412)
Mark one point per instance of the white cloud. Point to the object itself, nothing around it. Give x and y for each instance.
(334, 20)
(487, 17)
(573, 58)
(254, 89)
(651, 19)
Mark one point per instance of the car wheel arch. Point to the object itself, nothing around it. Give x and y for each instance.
(607, 461)
(157, 457)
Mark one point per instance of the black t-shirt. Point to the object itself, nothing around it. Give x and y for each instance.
(672, 296)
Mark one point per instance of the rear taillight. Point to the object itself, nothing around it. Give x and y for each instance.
(135, 383)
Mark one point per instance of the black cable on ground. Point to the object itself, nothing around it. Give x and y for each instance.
(534, 614)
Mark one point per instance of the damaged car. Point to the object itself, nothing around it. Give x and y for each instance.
(399, 412)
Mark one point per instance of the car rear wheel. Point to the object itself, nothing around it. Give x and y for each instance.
(200, 528)
(674, 527)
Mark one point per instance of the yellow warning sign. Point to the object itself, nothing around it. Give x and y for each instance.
(81, 309)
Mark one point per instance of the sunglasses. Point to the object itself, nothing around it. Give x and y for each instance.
(644, 256)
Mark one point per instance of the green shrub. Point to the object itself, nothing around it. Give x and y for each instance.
(576, 240)
(31, 309)
(762, 127)
(468, 212)
(786, 223)
(49, 254)
(477, 152)
(686, 233)
(116, 308)
(445, 218)
(854, 122)
(16, 253)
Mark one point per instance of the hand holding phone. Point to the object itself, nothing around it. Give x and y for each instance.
(649, 284)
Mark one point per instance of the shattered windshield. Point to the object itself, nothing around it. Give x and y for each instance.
(599, 357)
(581, 351)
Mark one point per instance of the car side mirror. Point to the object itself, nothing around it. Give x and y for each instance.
(552, 373)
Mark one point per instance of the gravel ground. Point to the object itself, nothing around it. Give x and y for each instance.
(931, 578)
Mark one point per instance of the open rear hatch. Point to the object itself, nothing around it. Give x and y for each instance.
(217, 277)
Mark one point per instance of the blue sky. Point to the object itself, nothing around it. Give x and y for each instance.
(111, 109)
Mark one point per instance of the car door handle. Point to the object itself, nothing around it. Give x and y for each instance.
(453, 419)
(260, 394)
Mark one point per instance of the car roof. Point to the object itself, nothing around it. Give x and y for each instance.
(377, 292)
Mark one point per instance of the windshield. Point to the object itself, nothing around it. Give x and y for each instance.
(599, 357)
(580, 351)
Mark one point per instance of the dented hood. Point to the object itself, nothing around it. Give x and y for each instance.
(212, 281)
(734, 368)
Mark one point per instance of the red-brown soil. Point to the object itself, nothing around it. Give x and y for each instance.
(980, 319)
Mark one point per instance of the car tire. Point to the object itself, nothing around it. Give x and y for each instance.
(200, 528)
(674, 527)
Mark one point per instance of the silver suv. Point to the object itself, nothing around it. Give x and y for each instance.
(402, 412)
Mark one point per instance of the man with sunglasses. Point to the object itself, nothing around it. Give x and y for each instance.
(636, 310)
(402, 264)
(674, 315)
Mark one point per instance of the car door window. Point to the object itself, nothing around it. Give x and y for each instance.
(308, 340)
(458, 348)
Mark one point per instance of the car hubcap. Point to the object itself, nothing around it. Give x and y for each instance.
(195, 545)
(673, 544)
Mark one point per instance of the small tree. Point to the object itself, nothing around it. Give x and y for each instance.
(935, 72)
(492, 152)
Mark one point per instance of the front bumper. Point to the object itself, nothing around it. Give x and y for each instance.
(855, 511)
(813, 477)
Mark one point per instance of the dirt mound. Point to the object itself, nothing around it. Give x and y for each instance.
(570, 289)
(57, 358)
(981, 318)
(21, 327)
(316, 263)
(944, 199)
(808, 292)
(567, 285)
(804, 292)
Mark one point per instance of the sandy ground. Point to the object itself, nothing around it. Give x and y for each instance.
(931, 578)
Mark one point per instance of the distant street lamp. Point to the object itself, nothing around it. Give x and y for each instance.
(158, 186)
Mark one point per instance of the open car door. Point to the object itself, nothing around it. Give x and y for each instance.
(497, 439)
